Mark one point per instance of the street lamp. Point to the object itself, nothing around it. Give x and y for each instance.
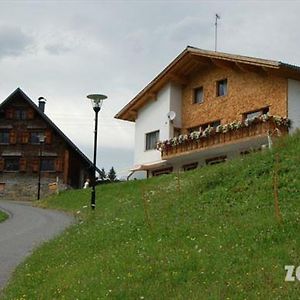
(97, 101)
(41, 138)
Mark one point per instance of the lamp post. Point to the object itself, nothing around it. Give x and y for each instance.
(41, 138)
(97, 101)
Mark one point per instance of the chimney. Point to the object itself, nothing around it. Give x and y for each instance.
(42, 103)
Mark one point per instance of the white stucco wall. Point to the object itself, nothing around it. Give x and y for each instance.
(152, 117)
(294, 103)
(175, 104)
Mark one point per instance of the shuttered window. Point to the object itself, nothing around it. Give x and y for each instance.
(21, 114)
(47, 165)
(12, 164)
(4, 137)
(35, 137)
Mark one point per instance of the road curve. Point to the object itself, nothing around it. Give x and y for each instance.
(26, 228)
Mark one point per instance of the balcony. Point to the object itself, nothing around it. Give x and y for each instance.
(233, 133)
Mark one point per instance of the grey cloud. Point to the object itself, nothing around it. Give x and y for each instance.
(57, 49)
(13, 41)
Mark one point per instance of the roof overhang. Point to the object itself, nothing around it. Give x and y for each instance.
(192, 60)
(149, 166)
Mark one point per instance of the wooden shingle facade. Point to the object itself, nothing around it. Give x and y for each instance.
(22, 155)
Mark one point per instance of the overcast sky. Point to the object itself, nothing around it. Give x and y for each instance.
(65, 50)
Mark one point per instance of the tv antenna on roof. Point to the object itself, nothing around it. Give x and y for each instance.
(216, 30)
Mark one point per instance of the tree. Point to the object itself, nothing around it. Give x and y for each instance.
(112, 174)
(102, 174)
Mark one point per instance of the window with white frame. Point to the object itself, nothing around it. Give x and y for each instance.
(151, 140)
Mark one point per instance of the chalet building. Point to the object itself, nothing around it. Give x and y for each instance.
(206, 107)
(23, 155)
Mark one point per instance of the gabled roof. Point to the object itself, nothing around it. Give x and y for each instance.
(193, 59)
(19, 92)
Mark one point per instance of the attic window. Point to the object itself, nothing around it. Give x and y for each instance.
(21, 114)
(222, 88)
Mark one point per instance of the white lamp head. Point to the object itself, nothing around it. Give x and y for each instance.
(97, 100)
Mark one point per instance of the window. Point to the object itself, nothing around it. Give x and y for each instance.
(222, 87)
(12, 164)
(4, 137)
(152, 139)
(47, 165)
(198, 95)
(35, 137)
(191, 166)
(213, 124)
(162, 171)
(21, 114)
(257, 113)
(216, 160)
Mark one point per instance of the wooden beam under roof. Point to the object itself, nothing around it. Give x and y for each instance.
(178, 79)
(223, 64)
(245, 67)
(261, 70)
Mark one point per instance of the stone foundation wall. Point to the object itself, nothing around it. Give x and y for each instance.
(25, 188)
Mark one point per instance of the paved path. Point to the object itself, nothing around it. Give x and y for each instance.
(26, 228)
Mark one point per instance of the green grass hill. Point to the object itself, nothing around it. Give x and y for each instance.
(211, 233)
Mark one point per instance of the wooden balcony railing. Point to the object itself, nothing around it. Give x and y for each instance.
(190, 143)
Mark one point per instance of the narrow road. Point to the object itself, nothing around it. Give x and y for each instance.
(26, 228)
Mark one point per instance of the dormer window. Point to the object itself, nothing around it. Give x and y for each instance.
(222, 88)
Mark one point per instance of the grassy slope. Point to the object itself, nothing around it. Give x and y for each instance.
(3, 216)
(216, 238)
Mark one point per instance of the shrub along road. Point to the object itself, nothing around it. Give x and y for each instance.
(25, 229)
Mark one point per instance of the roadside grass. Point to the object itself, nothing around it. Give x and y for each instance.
(3, 216)
(209, 234)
